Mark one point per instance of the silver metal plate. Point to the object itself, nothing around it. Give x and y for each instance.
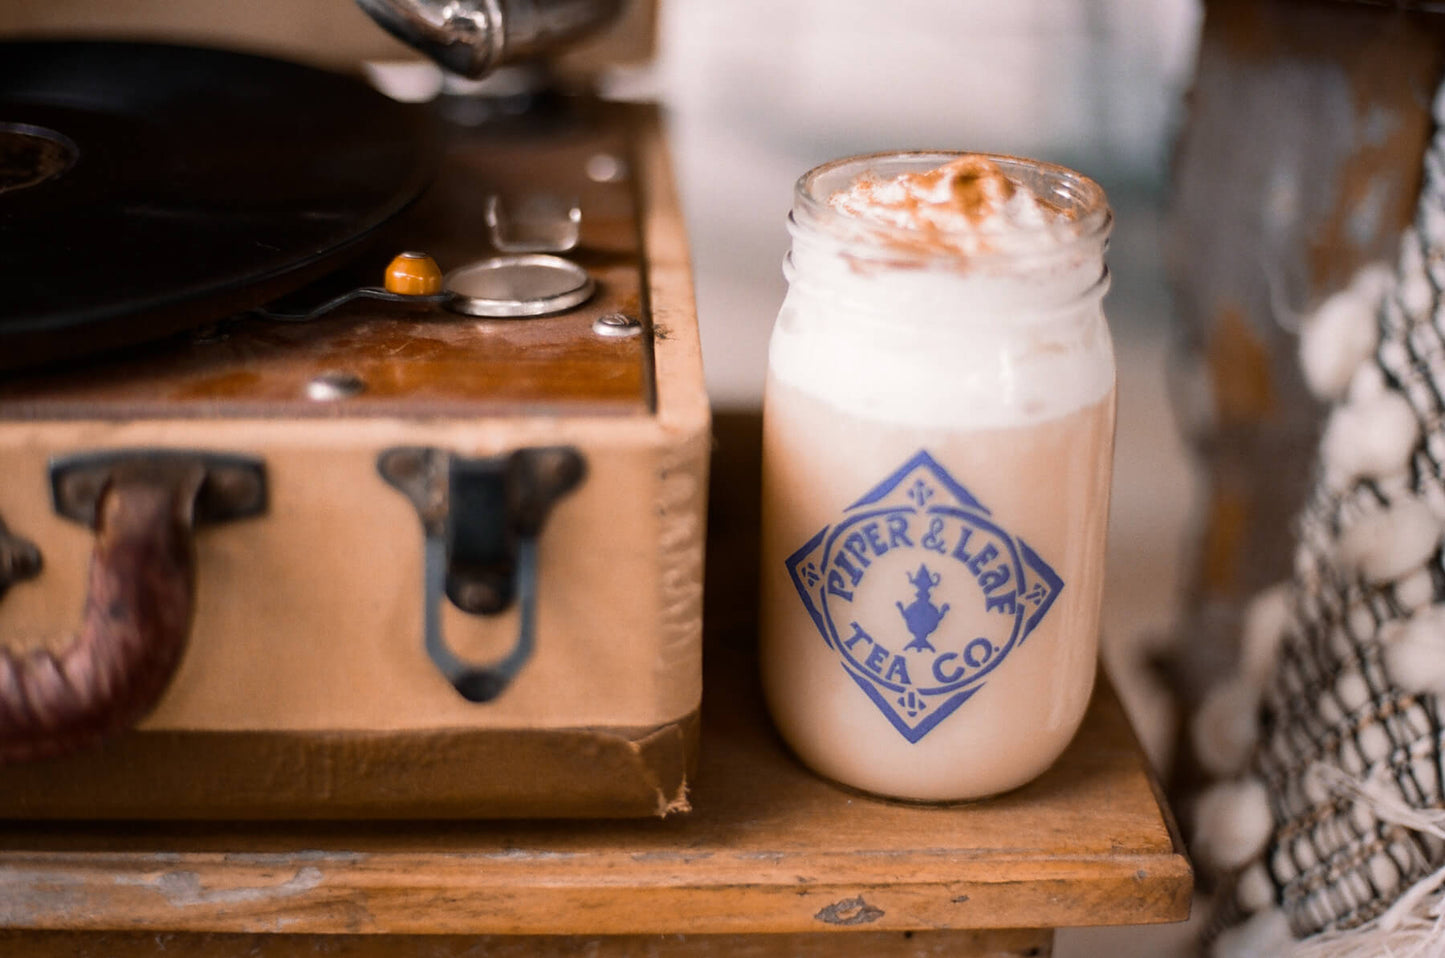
(509, 286)
(534, 223)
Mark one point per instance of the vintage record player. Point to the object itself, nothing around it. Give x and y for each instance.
(354, 452)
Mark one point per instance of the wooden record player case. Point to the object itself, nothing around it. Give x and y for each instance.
(305, 690)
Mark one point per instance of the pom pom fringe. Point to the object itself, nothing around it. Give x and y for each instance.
(1414, 926)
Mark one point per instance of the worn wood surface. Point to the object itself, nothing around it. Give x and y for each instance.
(1299, 163)
(419, 362)
(1007, 943)
(768, 847)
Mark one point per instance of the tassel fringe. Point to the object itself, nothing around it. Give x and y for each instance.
(1414, 926)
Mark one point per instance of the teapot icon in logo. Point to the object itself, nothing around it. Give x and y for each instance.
(922, 616)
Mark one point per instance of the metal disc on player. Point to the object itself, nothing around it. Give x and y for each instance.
(512, 286)
(148, 188)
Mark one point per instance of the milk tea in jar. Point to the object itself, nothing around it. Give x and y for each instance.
(938, 439)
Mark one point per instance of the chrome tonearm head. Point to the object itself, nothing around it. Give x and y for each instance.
(474, 37)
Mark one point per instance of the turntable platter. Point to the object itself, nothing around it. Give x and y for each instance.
(148, 188)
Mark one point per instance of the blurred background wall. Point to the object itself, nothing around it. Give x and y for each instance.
(762, 90)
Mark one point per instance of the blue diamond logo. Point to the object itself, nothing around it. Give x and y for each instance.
(921, 594)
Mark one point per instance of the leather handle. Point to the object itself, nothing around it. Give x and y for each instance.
(135, 624)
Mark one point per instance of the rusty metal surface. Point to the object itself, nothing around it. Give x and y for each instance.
(1300, 163)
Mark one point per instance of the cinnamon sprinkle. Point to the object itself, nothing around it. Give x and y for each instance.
(954, 208)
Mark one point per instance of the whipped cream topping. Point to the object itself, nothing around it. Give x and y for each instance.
(995, 340)
(964, 204)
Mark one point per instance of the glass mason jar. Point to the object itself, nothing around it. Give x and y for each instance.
(938, 445)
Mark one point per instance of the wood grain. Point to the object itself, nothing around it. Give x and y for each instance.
(1007, 943)
(768, 848)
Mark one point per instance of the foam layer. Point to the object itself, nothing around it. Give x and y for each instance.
(990, 342)
(963, 206)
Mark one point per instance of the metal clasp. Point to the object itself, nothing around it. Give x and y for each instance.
(231, 486)
(481, 519)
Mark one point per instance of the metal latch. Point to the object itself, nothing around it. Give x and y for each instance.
(481, 519)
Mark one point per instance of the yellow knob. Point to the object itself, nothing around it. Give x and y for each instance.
(413, 274)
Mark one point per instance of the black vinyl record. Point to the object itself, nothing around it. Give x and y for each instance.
(149, 188)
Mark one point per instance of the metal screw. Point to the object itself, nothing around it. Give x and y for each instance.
(477, 596)
(329, 387)
(617, 325)
(402, 465)
(234, 489)
(80, 491)
(605, 168)
(19, 559)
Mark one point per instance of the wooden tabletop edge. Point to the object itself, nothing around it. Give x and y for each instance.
(316, 899)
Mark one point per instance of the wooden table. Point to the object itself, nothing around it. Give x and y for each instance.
(772, 861)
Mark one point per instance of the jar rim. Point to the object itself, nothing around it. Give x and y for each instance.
(1088, 219)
